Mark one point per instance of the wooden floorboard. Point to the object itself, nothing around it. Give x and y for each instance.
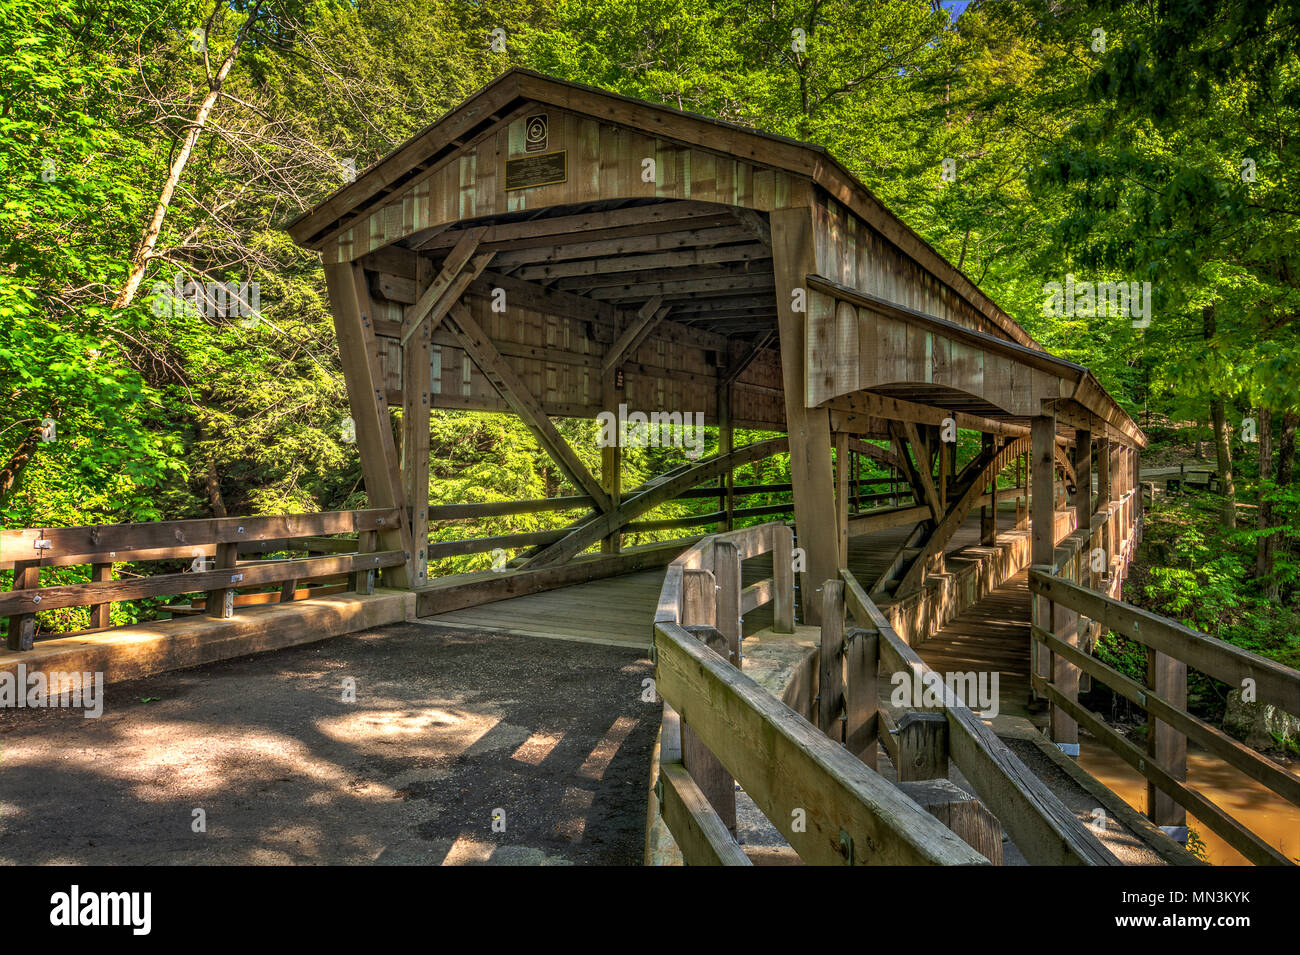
(620, 610)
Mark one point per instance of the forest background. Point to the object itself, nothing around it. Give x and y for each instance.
(1026, 140)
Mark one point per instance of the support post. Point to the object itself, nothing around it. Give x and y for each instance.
(354, 329)
(417, 385)
(1043, 518)
(782, 579)
(1083, 479)
(221, 602)
(727, 484)
(699, 608)
(842, 495)
(830, 687)
(22, 627)
(989, 512)
(101, 615)
(922, 746)
(793, 258)
(861, 699)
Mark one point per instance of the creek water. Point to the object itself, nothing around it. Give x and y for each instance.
(1257, 808)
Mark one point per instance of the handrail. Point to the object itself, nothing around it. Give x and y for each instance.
(1040, 825)
(102, 546)
(1274, 683)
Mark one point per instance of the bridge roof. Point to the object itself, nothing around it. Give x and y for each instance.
(359, 217)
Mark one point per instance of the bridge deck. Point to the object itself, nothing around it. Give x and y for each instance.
(619, 610)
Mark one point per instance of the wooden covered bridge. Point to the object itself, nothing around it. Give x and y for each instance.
(557, 251)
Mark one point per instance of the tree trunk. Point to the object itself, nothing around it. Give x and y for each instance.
(1223, 455)
(216, 503)
(1264, 546)
(1222, 440)
(151, 233)
(1286, 450)
(10, 473)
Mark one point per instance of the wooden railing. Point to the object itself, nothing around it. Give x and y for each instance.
(818, 787)
(221, 540)
(1171, 649)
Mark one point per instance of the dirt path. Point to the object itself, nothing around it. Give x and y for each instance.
(447, 728)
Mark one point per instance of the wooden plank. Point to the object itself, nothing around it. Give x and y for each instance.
(726, 570)
(696, 827)
(923, 468)
(1042, 521)
(827, 804)
(922, 746)
(1040, 825)
(124, 542)
(253, 574)
(782, 579)
(435, 292)
(507, 382)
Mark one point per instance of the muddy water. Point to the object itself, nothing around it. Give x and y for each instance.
(1261, 811)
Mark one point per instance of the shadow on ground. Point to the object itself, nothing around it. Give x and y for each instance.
(449, 730)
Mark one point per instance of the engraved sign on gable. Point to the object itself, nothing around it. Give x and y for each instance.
(539, 169)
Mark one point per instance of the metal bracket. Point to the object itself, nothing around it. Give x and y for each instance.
(846, 846)
(42, 544)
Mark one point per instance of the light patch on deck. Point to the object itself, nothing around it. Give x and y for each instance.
(595, 765)
(536, 748)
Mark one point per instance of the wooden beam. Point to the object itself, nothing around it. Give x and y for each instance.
(663, 216)
(924, 468)
(416, 404)
(696, 827)
(498, 371)
(793, 256)
(452, 266)
(359, 356)
(437, 305)
(680, 258)
(957, 514)
(647, 317)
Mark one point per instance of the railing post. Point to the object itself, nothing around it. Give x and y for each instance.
(1167, 678)
(782, 579)
(1042, 502)
(861, 700)
(22, 627)
(922, 746)
(830, 692)
(726, 570)
(101, 615)
(363, 581)
(221, 602)
(699, 609)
